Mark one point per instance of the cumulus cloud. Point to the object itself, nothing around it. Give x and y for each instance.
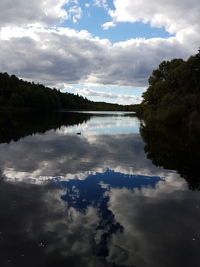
(22, 12)
(174, 15)
(64, 55)
(54, 55)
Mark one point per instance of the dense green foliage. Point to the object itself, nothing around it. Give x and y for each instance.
(19, 95)
(173, 95)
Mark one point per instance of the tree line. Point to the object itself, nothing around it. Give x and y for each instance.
(19, 95)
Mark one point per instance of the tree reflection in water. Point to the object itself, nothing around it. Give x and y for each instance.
(174, 148)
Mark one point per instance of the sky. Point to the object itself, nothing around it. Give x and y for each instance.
(104, 50)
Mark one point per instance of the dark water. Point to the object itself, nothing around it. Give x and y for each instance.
(79, 190)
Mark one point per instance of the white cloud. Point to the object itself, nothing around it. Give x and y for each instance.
(174, 15)
(101, 3)
(74, 13)
(53, 55)
(22, 12)
(38, 12)
(108, 25)
(119, 98)
(62, 55)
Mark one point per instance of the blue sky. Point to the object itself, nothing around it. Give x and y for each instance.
(93, 17)
(112, 94)
(104, 50)
(94, 14)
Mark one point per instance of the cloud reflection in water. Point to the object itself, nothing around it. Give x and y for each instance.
(93, 200)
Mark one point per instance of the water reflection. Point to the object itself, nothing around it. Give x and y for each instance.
(15, 126)
(92, 199)
(160, 226)
(72, 156)
(37, 228)
(105, 125)
(174, 148)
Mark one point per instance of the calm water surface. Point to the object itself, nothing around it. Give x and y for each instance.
(79, 190)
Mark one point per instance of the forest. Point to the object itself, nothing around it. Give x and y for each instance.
(19, 95)
(173, 95)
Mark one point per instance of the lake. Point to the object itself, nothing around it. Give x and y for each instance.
(97, 189)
